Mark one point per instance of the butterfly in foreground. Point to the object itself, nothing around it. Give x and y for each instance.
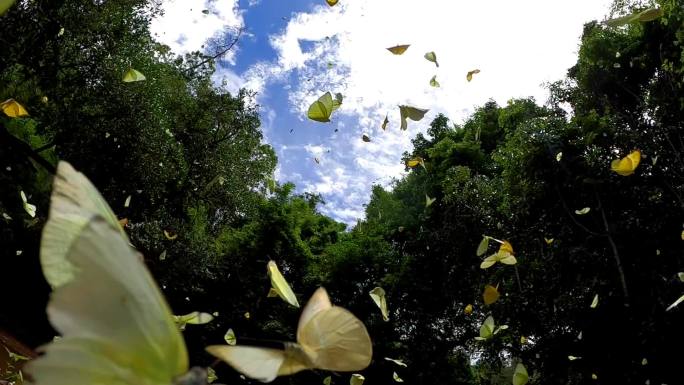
(328, 337)
(115, 324)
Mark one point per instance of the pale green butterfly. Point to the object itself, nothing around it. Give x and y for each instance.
(115, 324)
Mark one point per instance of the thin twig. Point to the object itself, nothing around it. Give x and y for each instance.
(616, 254)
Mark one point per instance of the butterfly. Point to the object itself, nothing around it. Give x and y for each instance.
(328, 337)
(628, 164)
(116, 326)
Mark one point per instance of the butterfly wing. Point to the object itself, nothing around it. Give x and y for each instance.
(262, 364)
(74, 202)
(116, 326)
(280, 285)
(318, 302)
(337, 339)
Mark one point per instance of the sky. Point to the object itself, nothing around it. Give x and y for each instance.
(293, 51)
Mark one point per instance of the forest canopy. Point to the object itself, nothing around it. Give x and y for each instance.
(538, 243)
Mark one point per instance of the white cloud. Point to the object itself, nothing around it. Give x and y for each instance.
(185, 27)
(517, 45)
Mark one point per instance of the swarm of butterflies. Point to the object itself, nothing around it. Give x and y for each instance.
(116, 327)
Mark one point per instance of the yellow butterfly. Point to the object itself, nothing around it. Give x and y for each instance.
(398, 49)
(504, 255)
(328, 337)
(115, 324)
(13, 109)
(628, 164)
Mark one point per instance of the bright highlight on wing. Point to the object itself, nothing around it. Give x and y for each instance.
(115, 324)
(328, 338)
(378, 296)
(280, 285)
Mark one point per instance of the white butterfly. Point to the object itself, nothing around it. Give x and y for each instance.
(328, 337)
(116, 326)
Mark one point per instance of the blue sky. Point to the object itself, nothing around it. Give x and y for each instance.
(288, 44)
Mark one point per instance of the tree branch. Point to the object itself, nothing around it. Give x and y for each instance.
(15, 143)
(616, 254)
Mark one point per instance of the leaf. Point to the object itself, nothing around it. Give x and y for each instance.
(429, 201)
(384, 123)
(13, 109)
(170, 235)
(5, 4)
(211, 375)
(520, 376)
(468, 309)
(413, 113)
(583, 211)
(483, 246)
(398, 49)
(378, 296)
(431, 56)
(332, 3)
(356, 379)
(327, 380)
(470, 74)
(132, 75)
(396, 377)
(594, 302)
(321, 109)
(29, 208)
(675, 303)
(280, 285)
(230, 337)
(490, 295)
(127, 202)
(365, 137)
(398, 362)
(434, 82)
(626, 165)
